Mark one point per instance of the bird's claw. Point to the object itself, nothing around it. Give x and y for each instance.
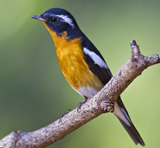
(81, 103)
(62, 115)
(109, 106)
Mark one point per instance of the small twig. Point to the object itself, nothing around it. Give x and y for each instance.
(101, 103)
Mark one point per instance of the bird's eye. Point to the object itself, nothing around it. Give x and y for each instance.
(53, 19)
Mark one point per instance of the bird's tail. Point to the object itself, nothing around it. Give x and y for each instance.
(121, 113)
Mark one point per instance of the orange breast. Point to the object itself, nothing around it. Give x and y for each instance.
(70, 58)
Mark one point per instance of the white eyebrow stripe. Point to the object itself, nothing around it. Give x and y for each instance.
(66, 19)
(97, 60)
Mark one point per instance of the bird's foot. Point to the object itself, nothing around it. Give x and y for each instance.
(64, 114)
(109, 106)
(81, 103)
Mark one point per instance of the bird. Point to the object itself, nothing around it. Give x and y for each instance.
(81, 63)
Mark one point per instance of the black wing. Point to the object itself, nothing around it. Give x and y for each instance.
(105, 75)
(102, 73)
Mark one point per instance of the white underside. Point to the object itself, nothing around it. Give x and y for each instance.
(89, 92)
(117, 112)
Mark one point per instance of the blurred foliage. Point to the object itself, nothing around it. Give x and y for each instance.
(33, 91)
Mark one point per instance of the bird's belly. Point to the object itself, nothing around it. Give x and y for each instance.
(78, 74)
(82, 79)
(85, 83)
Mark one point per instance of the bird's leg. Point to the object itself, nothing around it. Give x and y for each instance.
(81, 103)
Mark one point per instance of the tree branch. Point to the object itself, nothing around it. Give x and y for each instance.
(100, 103)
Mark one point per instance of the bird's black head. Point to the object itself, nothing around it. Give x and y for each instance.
(58, 20)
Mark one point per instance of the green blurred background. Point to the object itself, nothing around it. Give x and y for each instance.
(33, 91)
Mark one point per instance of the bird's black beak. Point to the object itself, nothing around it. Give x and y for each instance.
(38, 17)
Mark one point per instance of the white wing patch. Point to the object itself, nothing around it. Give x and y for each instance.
(97, 60)
(66, 19)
